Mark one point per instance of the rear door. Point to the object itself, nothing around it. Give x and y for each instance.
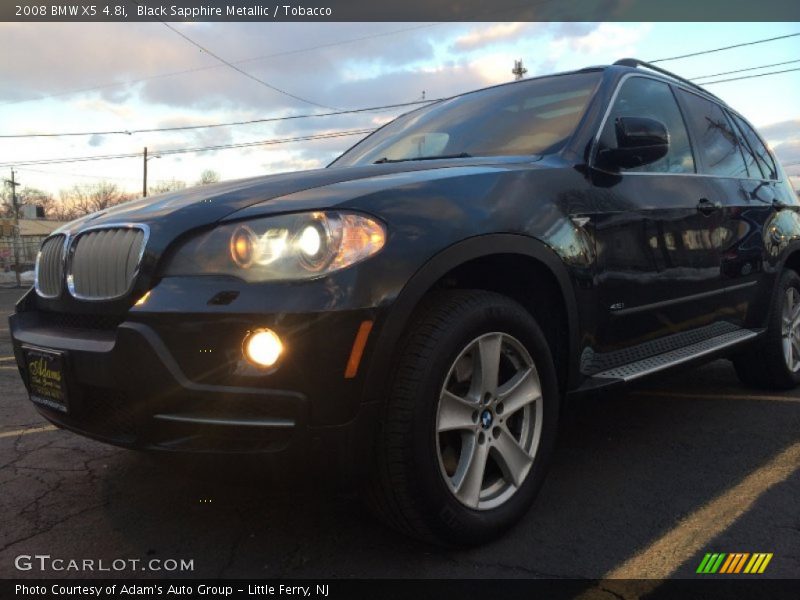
(744, 192)
(658, 256)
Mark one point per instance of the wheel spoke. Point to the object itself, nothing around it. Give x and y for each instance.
(489, 360)
(788, 354)
(519, 391)
(469, 482)
(512, 458)
(454, 413)
(795, 314)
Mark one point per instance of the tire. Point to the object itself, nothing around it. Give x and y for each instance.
(419, 467)
(765, 364)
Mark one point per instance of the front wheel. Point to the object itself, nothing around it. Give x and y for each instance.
(774, 362)
(470, 422)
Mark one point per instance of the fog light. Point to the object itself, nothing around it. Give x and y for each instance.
(263, 347)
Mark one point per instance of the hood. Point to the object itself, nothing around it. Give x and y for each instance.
(180, 211)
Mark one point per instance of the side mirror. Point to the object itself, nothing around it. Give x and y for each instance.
(640, 141)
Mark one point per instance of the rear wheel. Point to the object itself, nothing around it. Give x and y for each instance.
(774, 362)
(470, 422)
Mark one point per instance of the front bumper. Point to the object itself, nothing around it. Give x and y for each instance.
(177, 381)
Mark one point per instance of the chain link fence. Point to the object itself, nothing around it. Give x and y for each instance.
(26, 249)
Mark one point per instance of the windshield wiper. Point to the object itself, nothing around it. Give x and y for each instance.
(394, 160)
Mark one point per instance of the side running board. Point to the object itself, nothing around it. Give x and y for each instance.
(653, 364)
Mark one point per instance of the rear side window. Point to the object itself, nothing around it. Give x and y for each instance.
(719, 148)
(762, 155)
(753, 166)
(644, 97)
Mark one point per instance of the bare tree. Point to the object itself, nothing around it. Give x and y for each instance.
(6, 206)
(167, 186)
(37, 197)
(84, 199)
(208, 176)
(26, 195)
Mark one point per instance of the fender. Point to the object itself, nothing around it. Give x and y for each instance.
(424, 279)
(789, 252)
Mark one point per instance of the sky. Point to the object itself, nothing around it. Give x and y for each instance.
(80, 77)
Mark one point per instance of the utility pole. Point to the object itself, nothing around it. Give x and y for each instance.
(518, 70)
(144, 179)
(15, 241)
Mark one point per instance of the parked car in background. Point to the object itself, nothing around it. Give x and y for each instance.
(416, 315)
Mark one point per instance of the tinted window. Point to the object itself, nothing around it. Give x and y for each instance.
(719, 147)
(753, 167)
(761, 153)
(531, 117)
(642, 97)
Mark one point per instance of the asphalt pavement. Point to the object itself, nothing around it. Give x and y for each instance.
(644, 484)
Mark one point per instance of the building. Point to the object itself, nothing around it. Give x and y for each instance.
(32, 232)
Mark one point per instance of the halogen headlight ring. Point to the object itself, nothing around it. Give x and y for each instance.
(243, 246)
(317, 241)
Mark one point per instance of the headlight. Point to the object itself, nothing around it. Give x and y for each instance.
(287, 247)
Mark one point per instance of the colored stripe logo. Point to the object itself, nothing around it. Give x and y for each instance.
(734, 563)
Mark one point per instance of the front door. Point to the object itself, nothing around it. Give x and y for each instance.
(658, 234)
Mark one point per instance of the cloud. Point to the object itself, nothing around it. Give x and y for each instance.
(783, 131)
(125, 61)
(784, 140)
(480, 37)
(603, 42)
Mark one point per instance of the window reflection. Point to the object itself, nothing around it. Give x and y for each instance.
(532, 117)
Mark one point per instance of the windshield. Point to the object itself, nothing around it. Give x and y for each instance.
(531, 117)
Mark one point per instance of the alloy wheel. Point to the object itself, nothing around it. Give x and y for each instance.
(790, 329)
(489, 421)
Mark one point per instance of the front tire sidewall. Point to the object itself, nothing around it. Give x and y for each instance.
(444, 513)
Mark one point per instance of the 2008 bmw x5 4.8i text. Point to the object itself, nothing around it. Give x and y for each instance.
(415, 315)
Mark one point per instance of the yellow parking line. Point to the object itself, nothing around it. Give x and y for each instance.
(27, 431)
(7, 358)
(662, 394)
(664, 556)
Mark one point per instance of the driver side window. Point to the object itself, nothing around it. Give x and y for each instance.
(644, 97)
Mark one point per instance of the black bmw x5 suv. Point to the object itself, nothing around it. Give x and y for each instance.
(417, 313)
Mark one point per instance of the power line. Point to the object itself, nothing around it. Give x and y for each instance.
(786, 62)
(772, 39)
(751, 76)
(357, 110)
(228, 124)
(345, 112)
(238, 62)
(321, 136)
(242, 71)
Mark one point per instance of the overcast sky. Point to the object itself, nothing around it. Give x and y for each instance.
(122, 76)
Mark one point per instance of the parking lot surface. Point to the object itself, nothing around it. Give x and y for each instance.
(644, 484)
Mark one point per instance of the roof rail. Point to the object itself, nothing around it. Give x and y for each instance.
(635, 62)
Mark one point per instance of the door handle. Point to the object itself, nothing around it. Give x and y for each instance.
(706, 207)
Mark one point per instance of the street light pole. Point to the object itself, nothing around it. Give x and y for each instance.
(144, 179)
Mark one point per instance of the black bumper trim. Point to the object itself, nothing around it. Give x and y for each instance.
(265, 423)
(172, 366)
